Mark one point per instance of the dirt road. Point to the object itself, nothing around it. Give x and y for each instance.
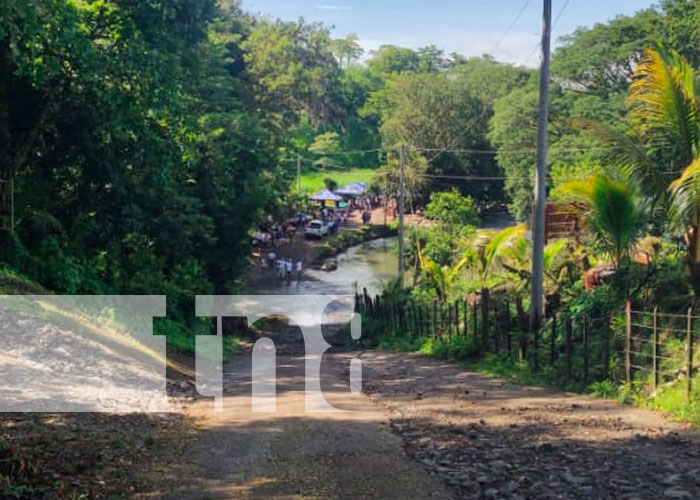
(292, 454)
(426, 429)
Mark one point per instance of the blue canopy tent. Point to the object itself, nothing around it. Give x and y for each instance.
(352, 190)
(326, 198)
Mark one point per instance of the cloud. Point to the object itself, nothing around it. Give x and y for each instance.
(333, 7)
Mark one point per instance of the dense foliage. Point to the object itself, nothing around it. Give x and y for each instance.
(145, 139)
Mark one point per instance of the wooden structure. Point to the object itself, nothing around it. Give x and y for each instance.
(563, 220)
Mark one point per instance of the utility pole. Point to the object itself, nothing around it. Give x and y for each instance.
(386, 190)
(298, 174)
(402, 196)
(538, 222)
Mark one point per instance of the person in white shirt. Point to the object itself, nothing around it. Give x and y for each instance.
(271, 258)
(290, 267)
(280, 267)
(300, 268)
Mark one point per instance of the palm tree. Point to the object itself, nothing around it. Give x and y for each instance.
(665, 107)
(613, 210)
(442, 277)
(483, 251)
(517, 259)
(481, 255)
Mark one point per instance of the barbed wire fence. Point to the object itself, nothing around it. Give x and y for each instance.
(572, 346)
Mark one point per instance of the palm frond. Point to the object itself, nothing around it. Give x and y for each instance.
(662, 100)
(685, 192)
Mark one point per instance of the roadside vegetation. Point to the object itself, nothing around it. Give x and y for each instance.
(144, 143)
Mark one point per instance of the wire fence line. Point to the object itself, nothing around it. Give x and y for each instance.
(574, 346)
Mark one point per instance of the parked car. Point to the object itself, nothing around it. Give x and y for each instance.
(316, 229)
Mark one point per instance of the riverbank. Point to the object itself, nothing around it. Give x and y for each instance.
(313, 253)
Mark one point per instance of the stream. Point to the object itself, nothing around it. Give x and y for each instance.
(367, 265)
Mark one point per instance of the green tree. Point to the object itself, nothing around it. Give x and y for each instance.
(513, 131)
(294, 71)
(431, 59)
(347, 50)
(435, 114)
(324, 147)
(452, 209)
(390, 59)
(602, 59)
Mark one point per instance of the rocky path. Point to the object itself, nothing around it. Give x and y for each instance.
(426, 429)
(486, 438)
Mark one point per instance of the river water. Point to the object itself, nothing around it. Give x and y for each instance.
(369, 265)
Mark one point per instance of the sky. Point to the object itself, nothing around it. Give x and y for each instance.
(469, 27)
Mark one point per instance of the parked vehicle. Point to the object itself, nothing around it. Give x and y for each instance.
(316, 229)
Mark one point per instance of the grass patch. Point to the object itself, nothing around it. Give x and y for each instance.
(670, 400)
(312, 182)
(183, 338)
(453, 348)
(14, 283)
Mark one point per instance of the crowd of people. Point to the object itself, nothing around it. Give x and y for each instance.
(273, 234)
(285, 268)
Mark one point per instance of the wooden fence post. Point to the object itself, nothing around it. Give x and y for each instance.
(435, 320)
(449, 319)
(552, 339)
(457, 318)
(507, 327)
(415, 311)
(585, 348)
(569, 347)
(535, 349)
(475, 318)
(655, 348)
(466, 318)
(406, 318)
(485, 317)
(628, 342)
(397, 317)
(606, 348)
(689, 348)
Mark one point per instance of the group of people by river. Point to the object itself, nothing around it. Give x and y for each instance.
(285, 268)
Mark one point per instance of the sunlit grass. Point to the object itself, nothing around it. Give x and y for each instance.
(312, 182)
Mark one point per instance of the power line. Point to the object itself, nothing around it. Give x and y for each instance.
(461, 177)
(556, 20)
(561, 12)
(356, 152)
(510, 26)
(514, 151)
